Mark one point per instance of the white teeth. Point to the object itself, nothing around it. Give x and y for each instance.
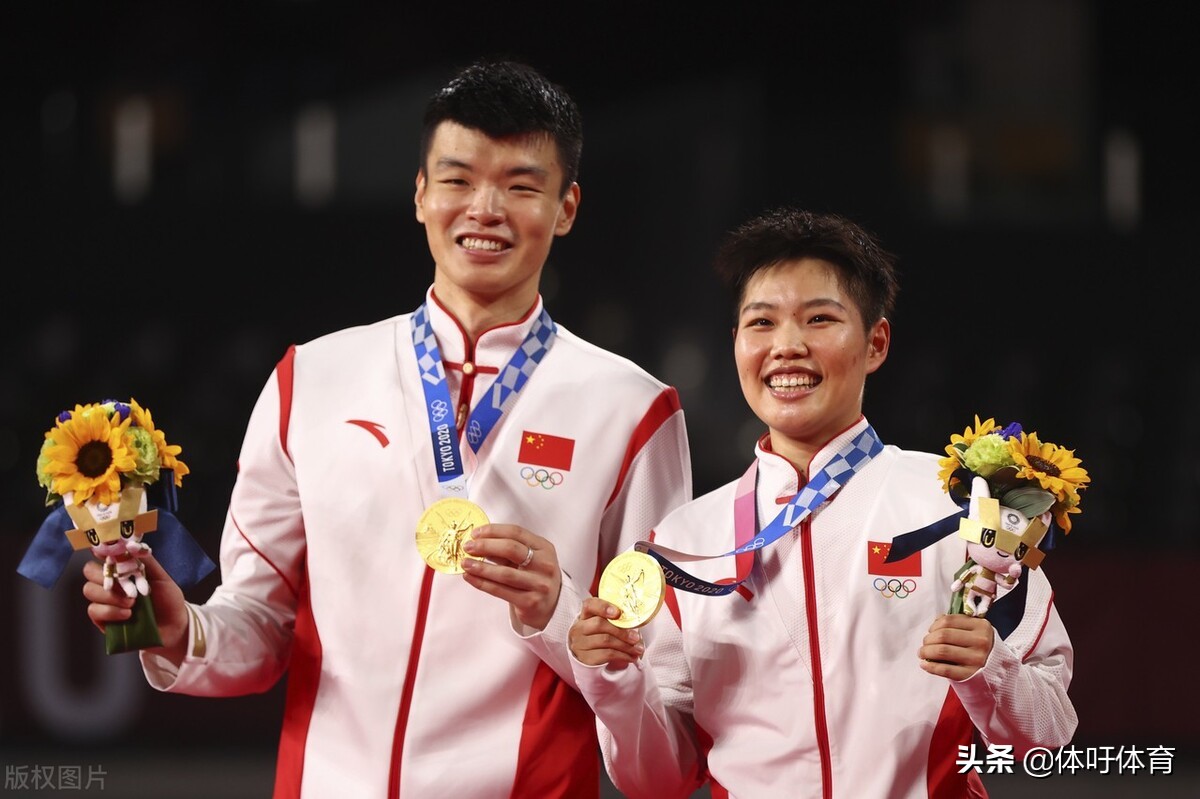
(792, 381)
(470, 243)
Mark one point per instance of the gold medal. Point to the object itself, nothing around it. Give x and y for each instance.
(634, 582)
(443, 528)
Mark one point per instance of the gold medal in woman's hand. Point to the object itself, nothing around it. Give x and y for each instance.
(634, 582)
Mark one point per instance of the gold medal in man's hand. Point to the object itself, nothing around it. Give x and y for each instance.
(443, 528)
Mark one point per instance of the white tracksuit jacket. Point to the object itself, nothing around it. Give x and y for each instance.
(403, 681)
(807, 683)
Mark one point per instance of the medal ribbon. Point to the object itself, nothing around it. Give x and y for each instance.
(846, 463)
(439, 406)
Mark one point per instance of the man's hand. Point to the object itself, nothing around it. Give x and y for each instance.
(113, 605)
(519, 567)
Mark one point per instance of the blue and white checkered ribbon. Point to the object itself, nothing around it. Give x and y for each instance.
(826, 483)
(845, 463)
(439, 405)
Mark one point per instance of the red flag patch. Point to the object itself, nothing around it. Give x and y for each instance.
(877, 551)
(541, 449)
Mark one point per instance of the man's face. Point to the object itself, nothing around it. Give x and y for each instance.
(802, 356)
(491, 209)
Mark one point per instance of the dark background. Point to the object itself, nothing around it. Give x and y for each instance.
(1031, 163)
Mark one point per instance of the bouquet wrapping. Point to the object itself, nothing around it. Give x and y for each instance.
(97, 464)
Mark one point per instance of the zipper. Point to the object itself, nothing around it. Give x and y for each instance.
(469, 371)
(814, 650)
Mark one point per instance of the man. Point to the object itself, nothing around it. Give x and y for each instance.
(787, 668)
(369, 446)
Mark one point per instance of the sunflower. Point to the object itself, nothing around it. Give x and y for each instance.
(1054, 468)
(166, 452)
(1062, 512)
(87, 455)
(959, 444)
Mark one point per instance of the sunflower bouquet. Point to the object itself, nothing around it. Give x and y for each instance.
(98, 450)
(96, 464)
(1020, 491)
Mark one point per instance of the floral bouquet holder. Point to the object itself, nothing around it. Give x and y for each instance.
(97, 463)
(1020, 493)
(1016, 496)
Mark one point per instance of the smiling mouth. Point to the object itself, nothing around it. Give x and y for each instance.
(484, 245)
(791, 381)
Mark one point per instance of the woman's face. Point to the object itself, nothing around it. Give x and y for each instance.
(803, 356)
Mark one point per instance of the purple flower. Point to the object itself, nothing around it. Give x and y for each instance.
(1012, 430)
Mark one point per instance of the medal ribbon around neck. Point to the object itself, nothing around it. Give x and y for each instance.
(846, 463)
(439, 406)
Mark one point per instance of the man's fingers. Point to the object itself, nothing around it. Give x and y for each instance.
(93, 571)
(154, 569)
(505, 532)
(106, 605)
(103, 614)
(511, 546)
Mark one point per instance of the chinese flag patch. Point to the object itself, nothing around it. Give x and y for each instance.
(540, 449)
(877, 551)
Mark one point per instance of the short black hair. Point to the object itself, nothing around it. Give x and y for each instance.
(503, 99)
(865, 270)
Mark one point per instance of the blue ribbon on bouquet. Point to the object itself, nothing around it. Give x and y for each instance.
(172, 545)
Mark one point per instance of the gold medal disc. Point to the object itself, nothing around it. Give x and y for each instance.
(443, 528)
(634, 582)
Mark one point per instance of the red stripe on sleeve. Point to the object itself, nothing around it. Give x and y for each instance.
(283, 376)
(670, 600)
(672, 603)
(662, 409)
(259, 552)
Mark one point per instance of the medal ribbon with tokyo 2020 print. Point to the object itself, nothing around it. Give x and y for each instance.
(845, 463)
(439, 406)
(451, 520)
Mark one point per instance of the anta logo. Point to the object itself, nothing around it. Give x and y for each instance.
(374, 428)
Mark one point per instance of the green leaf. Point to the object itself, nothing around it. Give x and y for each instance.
(1028, 500)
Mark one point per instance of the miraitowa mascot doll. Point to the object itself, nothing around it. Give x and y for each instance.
(1016, 496)
(1022, 492)
(96, 464)
(999, 541)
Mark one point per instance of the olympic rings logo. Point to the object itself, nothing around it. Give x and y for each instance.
(541, 477)
(474, 432)
(438, 409)
(894, 587)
